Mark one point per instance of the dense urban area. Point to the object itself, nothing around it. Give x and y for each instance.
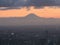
(30, 35)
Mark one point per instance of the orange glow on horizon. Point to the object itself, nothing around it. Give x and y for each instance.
(43, 12)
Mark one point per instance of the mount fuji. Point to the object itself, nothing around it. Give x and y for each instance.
(30, 19)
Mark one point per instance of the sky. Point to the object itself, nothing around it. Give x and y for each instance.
(21, 8)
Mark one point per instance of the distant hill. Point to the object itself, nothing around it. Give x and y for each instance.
(30, 19)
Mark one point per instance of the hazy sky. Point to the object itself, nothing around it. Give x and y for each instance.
(42, 8)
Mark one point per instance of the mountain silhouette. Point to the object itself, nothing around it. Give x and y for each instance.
(32, 16)
(30, 19)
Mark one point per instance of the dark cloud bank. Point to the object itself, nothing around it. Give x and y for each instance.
(27, 3)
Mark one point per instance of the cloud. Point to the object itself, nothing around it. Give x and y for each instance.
(28, 3)
(7, 8)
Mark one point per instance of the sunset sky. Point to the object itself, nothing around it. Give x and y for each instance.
(19, 8)
(47, 12)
